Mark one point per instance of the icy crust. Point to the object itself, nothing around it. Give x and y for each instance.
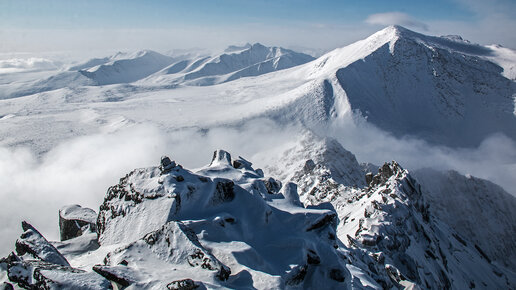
(224, 219)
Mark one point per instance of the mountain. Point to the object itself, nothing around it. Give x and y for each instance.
(445, 91)
(120, 68)
(228, 225)
(152, 68)
(127, 69)
(236, 62)
(475, 208)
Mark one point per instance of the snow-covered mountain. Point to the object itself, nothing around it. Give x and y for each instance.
(475, 208)
(152, 68)
(442, 90)
(234, 63)
(227, 225)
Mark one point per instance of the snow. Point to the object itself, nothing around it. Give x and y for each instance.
(76, 212)
(442, 90)
(492, 226)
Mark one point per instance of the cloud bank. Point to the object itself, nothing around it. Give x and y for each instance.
(28, 64)
(395, 18)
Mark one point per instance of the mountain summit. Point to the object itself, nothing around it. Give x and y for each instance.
(442, 90)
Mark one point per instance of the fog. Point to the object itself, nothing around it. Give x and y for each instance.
(80, 170)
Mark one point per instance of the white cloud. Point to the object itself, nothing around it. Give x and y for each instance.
(395, 18)
(27, 64)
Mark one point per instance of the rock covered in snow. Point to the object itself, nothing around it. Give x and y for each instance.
(39, 265)
(74, 220)
(179, 225)
(33, 243)
(226, 225)
(387, 229)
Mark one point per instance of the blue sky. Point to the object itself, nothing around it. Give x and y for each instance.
(320, 25)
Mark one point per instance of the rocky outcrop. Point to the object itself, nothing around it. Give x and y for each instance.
(75, 220)
(33, 243)
(39, 265)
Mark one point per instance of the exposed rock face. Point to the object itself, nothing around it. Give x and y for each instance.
(74, 220)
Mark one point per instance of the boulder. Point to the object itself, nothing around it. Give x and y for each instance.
(74, 220)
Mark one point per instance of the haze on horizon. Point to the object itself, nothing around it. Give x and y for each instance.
(310, 26)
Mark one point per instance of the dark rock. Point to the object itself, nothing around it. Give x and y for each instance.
(74, 220)
(242, 163)
(328, 219)
(221, 157)
(186, 284)
(33, 243)
(297, 275)
(111, 273)
(166, 164)
(309, 166)
(273, 186)
(180, 178)
(224, 191)
(6, 286)
(312, 258)
(337, 275)
(369, 178)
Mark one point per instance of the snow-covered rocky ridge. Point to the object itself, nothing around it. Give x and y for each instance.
(229, 225)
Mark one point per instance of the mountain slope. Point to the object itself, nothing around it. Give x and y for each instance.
(444, 91)
(392, 220)
(475, 208)
(127, 69)
(234, 63)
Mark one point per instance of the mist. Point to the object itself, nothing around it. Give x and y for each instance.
(493, 159)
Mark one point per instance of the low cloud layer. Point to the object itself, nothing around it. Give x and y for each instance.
(26, 64)
(494, 159)
(396, 18)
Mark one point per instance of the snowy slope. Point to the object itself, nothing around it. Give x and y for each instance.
(234, 63)
(127, 69)
(477, 209)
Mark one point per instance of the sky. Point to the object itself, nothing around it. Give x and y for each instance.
(307, 25)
